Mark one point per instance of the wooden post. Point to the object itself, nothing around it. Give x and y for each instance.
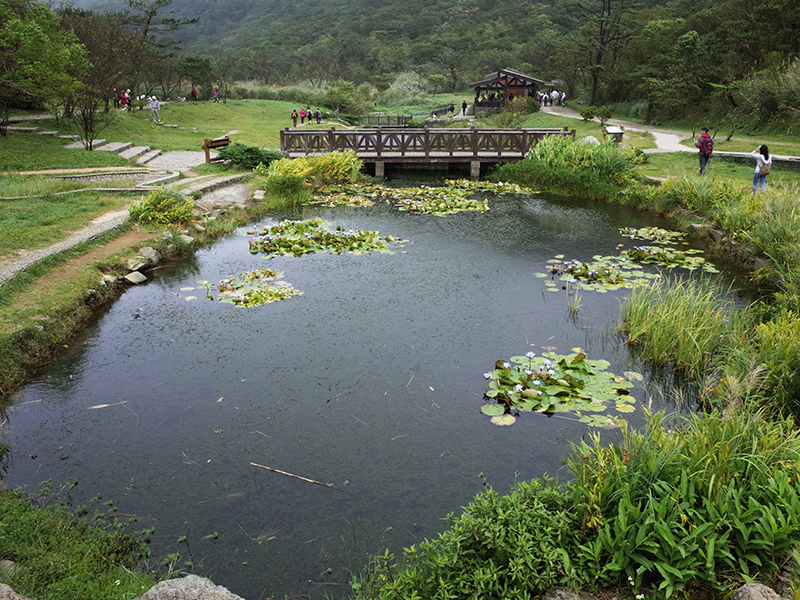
(330, 139)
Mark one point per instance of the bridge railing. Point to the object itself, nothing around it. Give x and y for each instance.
(388, 120)
(426, 142)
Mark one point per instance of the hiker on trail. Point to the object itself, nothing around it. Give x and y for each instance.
(194, 93)
(294, 118)
(123, 100)
(115, 98)
(763, 167)
(464, 108)
(154, 106)
(706, 146)
(318, 114)
(452, 109)
(216, 95)
(302, 115)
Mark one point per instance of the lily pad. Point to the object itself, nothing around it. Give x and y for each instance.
(504, 420)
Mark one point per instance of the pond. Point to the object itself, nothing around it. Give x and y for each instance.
(372, 381)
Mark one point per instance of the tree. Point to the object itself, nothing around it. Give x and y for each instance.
(437, 81)
(38, 60)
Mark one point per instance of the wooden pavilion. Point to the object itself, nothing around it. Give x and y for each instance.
(497, 88)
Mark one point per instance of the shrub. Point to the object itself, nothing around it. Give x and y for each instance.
(320, 170)
(248, 157)
(705, 504)
(162, 206)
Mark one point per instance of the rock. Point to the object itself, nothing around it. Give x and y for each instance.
(258, 195)
(109, 281)
(135, 264)
(590, 139)
(6, 593)
(187, 239)
(190, 587)
(715, 235)
(199, 227)
(7, 567)
(755, 591)
(562, 593)
(135, 277)
(151, 256)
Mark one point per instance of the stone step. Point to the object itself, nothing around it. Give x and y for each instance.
(74, 138)
(207, 185)
(134, 152)
(23, 129)
(148, 156)
(116, 146)
(79, 145)
(51, 133)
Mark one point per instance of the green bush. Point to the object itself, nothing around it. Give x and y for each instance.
(702, 505)
(563, 165)
(162, 206)
(320, 170)
(513, 546)
(248, 157)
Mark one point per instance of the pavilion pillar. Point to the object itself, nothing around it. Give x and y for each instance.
(379, 169)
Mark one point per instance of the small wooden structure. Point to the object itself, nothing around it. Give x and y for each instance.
(493, 91)
(422, 146)
(209, 145)
(615, 132)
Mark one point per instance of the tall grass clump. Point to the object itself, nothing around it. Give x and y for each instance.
(684, 322)
(282, 191)
(318, 171)
(775, 227)
(702, 195)
(686, 509)
(563, 165)
(162, 206)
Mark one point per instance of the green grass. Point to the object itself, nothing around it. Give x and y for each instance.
(26, 152)
(38, 185)
(685, 164)
(59, 558)
(37, 222)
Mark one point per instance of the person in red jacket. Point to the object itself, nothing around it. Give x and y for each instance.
(706, 146)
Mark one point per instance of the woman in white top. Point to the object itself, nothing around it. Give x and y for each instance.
(763, 166)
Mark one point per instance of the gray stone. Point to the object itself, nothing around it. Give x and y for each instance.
(109, 281)
(135, 277)
(755, 591)
(134, 264)
(6, 593)
(151, 256)
(7, 567)
(187, 239)
(190, 587)
(715, 235)
(258, 195)
(590, 139)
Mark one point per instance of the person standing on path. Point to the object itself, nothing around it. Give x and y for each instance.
(464, 108)
(154, 107)
(705, 146)
(194, 94)
(302, 115)
(763, 167)
(294, 118)
(216, 95)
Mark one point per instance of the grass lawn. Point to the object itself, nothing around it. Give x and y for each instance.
(39, 221)
(25, 152)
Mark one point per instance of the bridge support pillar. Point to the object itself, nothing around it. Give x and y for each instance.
(379, 170)
(475, 169)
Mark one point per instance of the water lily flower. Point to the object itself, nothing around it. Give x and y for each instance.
(487, 375)
(530, 354)
(518, 387)
(536, 382)
(551, 372)
(528, 372)
(506, 365)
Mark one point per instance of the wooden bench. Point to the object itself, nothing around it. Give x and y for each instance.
(219, 142)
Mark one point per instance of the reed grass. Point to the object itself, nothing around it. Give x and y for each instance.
(685, 322)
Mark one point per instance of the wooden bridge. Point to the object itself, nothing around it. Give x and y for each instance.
(380, 146)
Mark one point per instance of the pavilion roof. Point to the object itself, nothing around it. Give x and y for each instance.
(507, 78)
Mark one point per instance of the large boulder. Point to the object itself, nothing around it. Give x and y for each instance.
(6, 593)
(755, 591)
(190, 587)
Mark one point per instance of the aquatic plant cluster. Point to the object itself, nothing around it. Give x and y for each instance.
(556, 383)
(295, 238)
(624, 270)
(255, 288)
(452, 197)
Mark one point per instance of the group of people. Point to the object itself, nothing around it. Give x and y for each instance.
(306, 113)
(551, 98)
(705, 147)
(123, 100)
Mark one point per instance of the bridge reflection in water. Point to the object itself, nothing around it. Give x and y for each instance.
(380, 146)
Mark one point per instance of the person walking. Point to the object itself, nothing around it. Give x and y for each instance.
(302, 115)
(464, 108)
(294, 118)
(154, 107)
(705, 145)
(318, 115)
(216, 95)
(115, 98)
(763, 167)
(194, 94)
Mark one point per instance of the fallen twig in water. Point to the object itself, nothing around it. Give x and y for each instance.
(327, 485)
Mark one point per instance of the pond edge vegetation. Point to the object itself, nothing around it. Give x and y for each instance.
(689, 505)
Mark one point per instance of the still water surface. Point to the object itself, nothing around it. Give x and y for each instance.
(372, 381)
